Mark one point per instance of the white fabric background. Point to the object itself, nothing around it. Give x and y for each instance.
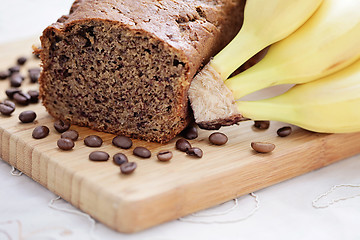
(286, 210)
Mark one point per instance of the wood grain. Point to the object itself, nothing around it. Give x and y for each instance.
(158, 192)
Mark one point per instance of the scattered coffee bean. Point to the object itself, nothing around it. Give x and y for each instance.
(61, 126)
(16, 80)
(182, 145)
(34, 74)
(284, 131)
(99, 156)
(21, 60)
(128, 167)
(122, 142)
(14, 69)
(10, 103)
(93, 141)
(70, 134)
(120, 158)
(218, 138)
(164, 156)
(65, 144)
(7, 107)
(34, 96)
(22, 98)
(197, 152)
(262, 124)
(27, 116)
(11, 91)
(40, 132)
(4, 74)
(262, 147)
(142, 152)
(190, 132)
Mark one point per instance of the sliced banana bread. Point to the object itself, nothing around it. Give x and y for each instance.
(125, 67)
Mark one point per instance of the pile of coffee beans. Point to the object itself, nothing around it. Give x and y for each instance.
(68, 137)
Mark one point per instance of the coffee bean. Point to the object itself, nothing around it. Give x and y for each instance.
(182, 145)
(40, 132)
(22, 98)
(70, 134)
(263, 147)
(27, 116)
(16, 80)
(99, 156)
(11, 91)
(65, 144)
(122, 142)
(14, 69)
(284, 131)
(120, 158)
(128, 167)
(61, 126)
(34, 74)
(142, 152)
(9, 103)
(164, 156)
(4, 74)
(34, 96)
(197, 152)
(262, 124)
(93, 141)
(190, 132)
(7, 107)
(21, 60)
(218, 138)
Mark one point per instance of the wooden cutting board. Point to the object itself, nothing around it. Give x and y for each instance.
(158, 192)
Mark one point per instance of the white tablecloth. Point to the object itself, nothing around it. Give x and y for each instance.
(285, 210)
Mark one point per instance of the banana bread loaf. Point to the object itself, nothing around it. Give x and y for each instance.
(125, 66)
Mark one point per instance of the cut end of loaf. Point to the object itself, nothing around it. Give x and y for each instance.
(102, 75)
(212, 102)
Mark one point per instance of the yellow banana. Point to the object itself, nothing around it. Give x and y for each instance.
(330, 104)
(327, 42)
(265, 22)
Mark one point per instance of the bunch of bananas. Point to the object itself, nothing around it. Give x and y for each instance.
(315, 45)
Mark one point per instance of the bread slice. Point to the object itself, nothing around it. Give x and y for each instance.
(124, 67)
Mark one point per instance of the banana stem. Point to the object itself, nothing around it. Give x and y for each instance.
(236, 53)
